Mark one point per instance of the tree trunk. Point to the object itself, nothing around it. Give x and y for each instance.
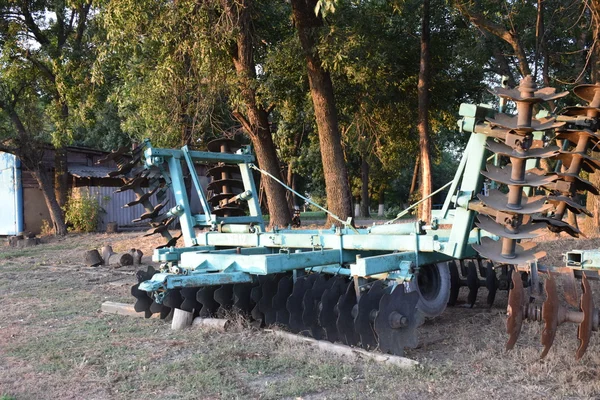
(337, 188)
(256, 121)
(291, 182)
(381, 196)
(41, 176)
(503, 65)
(423, 125)
(509, 36)
(415, 178)
(591, 226)
(61, 176)
(364, 205)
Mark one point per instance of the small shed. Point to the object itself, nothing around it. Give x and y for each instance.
(23, 204)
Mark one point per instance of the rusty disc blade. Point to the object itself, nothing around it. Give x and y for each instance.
(231, 183)
(510, 122)
(223, 145)
(572, 205)
(529, 205)
(533, 177)
(584, 332)
(588, 164)
(544, 94)
(570, 289)
(506, 150)
(492, 250)
(232, 171)
(525, 231)
(514, 310)
(574, 135)
(586, 92)
(580, 184)
(578, 110)
(549, 315)
(555, 225)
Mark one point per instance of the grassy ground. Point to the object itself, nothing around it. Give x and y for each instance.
(55, 343)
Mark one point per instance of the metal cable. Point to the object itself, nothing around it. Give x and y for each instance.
(332, 215)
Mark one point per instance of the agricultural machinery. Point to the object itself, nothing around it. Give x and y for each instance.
(372, 287)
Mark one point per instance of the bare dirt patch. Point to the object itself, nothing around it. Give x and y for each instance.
(55, 343)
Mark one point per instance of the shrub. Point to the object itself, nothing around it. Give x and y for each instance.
(390, 213)
(46, 230)
(83, 212)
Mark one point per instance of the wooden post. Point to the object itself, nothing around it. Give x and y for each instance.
(110, 307)
(137, 255)
(107, 252)
(181, 319)
(125, 259)
(217, 324)
(348, 351)
(112, 227)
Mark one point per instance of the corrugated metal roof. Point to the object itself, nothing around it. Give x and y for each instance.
(85, 171)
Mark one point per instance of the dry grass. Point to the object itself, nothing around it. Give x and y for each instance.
(55, 343)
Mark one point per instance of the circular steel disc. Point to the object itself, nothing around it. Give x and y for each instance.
(294, 304)
(345, 319)
(454, 283)
(394, 340)
(241, 298)
(189, 303)
(311, 302)
(284, 289)
(224, 296)
(327, 308)
(472, 282)
(206, 297)
(368, 306)
(265, 305)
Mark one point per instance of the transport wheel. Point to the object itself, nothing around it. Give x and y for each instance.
(433, 285)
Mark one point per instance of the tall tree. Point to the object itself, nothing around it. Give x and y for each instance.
(194, 66)
(509, 35)
(423, 127)
(339, 198)
(256, 121)
(47, 37)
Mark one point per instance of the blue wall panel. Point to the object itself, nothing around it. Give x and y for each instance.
(11, 195)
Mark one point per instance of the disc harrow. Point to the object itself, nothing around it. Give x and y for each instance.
(373, 287)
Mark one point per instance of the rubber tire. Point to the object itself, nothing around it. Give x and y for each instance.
(432, 307)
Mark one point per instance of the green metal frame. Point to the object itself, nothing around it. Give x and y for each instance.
(237, 249)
